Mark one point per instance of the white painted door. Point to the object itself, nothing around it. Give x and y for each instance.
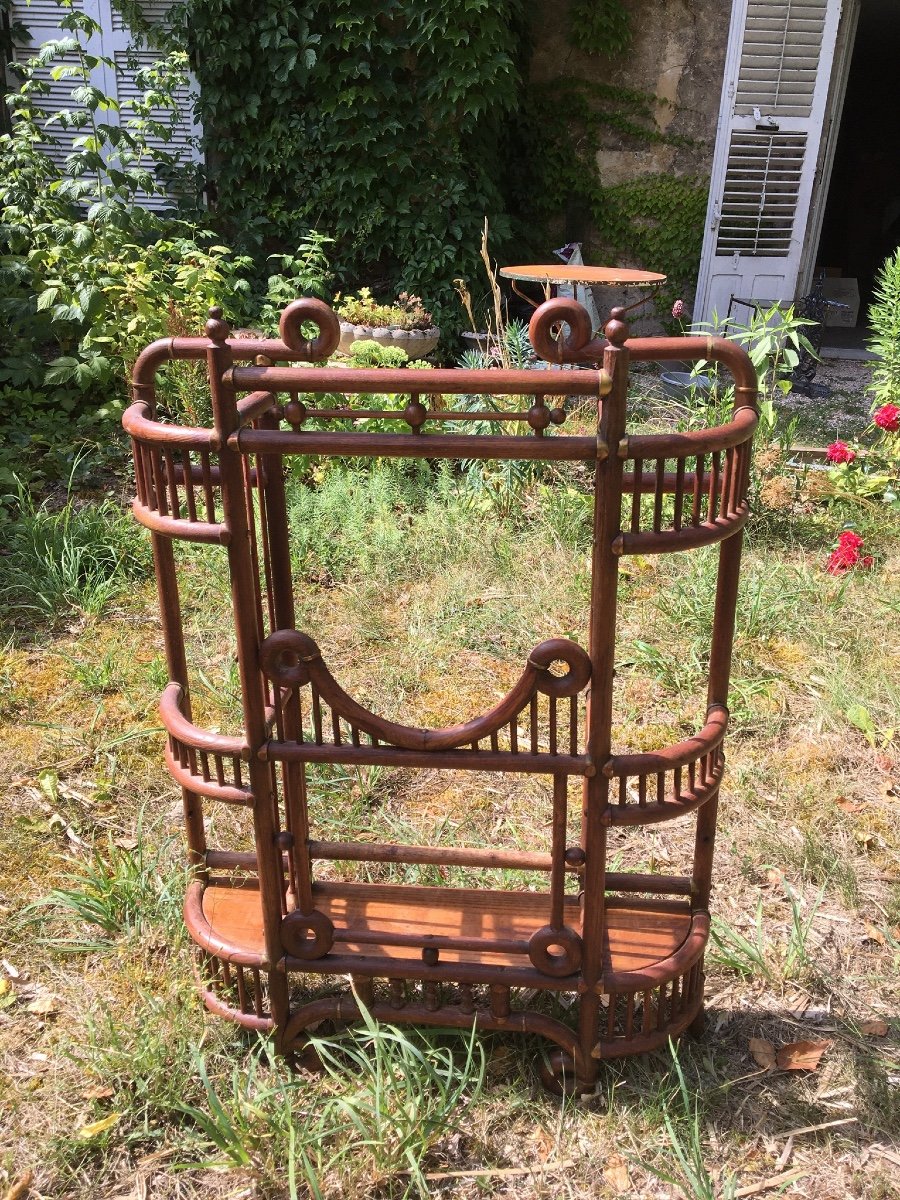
(777, 74)
(117, 43)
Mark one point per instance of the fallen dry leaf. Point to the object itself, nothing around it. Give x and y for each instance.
(615, 1172)
(95, 1128)
(873, 1028)
(43, 1006)
(874, 934)
(97, 1092)
(800, 1056)
(763, 1053)
(849, 806)
(21, 1187)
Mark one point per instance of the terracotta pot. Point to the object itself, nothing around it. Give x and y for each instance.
(416, 342)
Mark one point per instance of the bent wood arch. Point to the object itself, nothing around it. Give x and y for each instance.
(291, 659)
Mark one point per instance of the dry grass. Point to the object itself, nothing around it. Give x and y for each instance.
(808, 834)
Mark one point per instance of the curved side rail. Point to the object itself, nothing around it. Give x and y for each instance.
(707, 533)
(702, 501)
(178, 485)
(662, 784)
(177, 527)
(191, 735)
(204, 763)
(138, 421)
(687, 954)
(292, 659)
(680, 445)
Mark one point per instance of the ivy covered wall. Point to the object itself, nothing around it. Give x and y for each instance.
(397, 128)
(387, 127)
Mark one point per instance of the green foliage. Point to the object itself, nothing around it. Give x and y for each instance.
(76, 557)
(86, 272)
(658, 220)
(391, 1096)
(685, 1160)
(368, 353)
(599, 26)
(306, 272)
(118, 889)
(755, 955)
(387, 126)
(884, 345)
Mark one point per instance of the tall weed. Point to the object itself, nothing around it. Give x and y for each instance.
(390, 1096)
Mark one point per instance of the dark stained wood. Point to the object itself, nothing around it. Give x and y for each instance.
(454, 955)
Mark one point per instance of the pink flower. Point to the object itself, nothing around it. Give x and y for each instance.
(887, 417)
(678, 310)
(840, 452)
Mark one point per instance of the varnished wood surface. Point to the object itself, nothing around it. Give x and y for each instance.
(636, 935)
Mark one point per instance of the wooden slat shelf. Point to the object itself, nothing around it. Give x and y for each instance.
(636, 936)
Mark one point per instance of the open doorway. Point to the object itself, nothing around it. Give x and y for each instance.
(861, 223)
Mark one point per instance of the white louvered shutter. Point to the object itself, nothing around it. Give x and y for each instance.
(115, 42)
(41, 19)
(777, 75)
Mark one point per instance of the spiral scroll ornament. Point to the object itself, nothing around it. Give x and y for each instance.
(546, 334)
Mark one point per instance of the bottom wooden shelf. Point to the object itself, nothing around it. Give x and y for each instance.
(638, 933)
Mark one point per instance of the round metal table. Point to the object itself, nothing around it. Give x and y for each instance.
(558, 274)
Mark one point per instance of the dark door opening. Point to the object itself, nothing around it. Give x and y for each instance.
(861, 225)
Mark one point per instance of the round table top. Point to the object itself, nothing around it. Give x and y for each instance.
(612, 276)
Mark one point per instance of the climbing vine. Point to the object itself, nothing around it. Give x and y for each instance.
(599, 26)
(397, 128)
(385, 126)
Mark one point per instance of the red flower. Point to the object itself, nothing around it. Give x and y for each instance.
(847, 555)
(840, 452)
(678, 310)
(887, 417)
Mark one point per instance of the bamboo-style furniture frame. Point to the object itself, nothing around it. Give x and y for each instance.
(626, 947)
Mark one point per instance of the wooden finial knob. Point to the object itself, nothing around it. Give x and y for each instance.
(217, 329)
(616, 330)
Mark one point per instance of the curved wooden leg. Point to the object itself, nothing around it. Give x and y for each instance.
(557, 1072)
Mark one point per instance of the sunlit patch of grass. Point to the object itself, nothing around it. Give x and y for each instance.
(390, 1095)
(127, 886)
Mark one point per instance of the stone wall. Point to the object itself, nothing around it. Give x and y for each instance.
(677, 54)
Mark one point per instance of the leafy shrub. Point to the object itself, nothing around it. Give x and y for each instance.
(368, 353)
(884, 345)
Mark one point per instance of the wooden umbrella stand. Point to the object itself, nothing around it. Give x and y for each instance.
(625, 948)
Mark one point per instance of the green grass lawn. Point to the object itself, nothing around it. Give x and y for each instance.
(115, 1082)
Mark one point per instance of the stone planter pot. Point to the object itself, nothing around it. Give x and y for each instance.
(416, 342)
